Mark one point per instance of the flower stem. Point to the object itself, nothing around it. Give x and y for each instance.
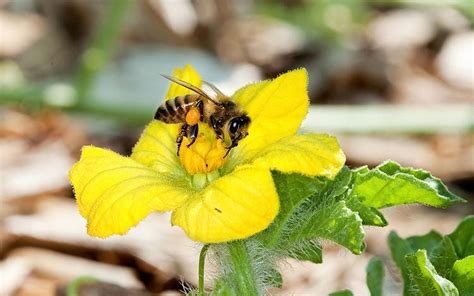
(202, 259)
(243, 272)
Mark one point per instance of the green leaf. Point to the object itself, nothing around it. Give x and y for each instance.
(462, 275)
(440, 251)
(342, 293)
(334, 222)
(369, 215)
(428, 241)
(463, 237)
(375, 276)
(337, 187)
(292, 189)
(307, 251)
(443, 256)
(399, 249)
(389, 184)
(424, 278)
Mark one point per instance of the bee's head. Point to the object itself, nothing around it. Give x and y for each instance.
(237, 128)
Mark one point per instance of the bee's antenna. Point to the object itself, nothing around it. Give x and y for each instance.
(214, 88)
(190, 87)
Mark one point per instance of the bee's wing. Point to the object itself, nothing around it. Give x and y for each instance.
(193, 88)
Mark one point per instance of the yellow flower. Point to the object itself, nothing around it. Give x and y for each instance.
(212, 199)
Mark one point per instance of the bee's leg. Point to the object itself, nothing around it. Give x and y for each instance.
(235, 143)
(200, 105)
(193, 134)
(182, 133)
(219, 134)
(216, 126)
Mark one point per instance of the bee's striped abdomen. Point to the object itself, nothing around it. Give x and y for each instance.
(174, 110)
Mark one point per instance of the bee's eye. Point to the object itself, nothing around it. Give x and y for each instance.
(234, 126)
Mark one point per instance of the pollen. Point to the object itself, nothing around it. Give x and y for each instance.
(204, 156)
(193, 116)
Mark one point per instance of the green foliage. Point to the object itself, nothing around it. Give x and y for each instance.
(424, 278)
(462, 275)
(307, 251)
(316, 209)
(293, 190)
(389, 184)
(443, 256)
(375, 276)
(369, 215)
(335, 222)
(431, 264)
(463, 237)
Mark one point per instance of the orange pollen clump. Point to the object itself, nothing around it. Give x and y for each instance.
(193, 116)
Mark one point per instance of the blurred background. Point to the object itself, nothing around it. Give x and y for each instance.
(392, 79)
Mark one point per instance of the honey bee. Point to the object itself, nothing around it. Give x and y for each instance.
(223, 115)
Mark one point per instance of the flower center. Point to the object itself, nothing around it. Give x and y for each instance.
(204, 156)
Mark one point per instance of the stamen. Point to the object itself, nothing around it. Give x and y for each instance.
(206, 155)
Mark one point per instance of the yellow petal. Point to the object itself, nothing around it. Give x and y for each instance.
(310, 154)
(276, 109)
(235, 206)
(157, 147)
(115, 193)
(188, 74)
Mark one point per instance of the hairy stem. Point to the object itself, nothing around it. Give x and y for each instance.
(202, 259)
(243, 274)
